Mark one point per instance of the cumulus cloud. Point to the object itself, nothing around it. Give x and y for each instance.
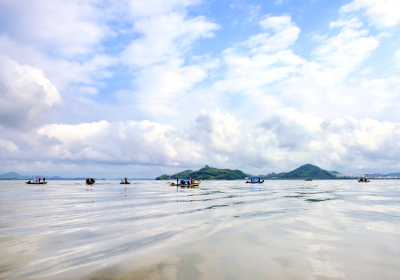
(381, 13)
(128, 142)
(25, 93)
(284, 140)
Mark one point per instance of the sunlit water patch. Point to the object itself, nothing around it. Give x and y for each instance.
(221, 230)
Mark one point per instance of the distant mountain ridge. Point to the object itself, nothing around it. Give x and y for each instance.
(206, 173)
(16, 176)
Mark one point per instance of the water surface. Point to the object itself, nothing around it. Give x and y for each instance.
(221, 230)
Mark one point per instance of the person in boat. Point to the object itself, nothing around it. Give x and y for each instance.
(126, 180)
(259, 180)
(39, 180)
(91, 180)
(44, 179)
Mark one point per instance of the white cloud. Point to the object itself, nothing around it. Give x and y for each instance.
(165, 36)
(348, 49)
(124, 142)
(158, 56)
(381, 13)
(397, 58)
(160, 84)
(282, 141)
(223, 140)
(65, 28)
(262, 59)
(25, 93)
(286, 33)
(7, 146)
(139, 8)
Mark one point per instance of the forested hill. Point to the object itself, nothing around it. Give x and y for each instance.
(206, 173)
(308, 171)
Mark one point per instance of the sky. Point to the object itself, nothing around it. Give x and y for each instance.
(105, 88)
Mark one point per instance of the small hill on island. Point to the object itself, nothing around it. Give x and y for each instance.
(206, 173)
(307, 171)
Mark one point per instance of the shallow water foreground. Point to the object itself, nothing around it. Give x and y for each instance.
(221, 230)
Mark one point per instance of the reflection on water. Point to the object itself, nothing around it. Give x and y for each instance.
(221, 230)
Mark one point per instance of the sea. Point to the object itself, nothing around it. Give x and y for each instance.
(282, 229)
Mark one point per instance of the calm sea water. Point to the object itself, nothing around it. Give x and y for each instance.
(221, 230)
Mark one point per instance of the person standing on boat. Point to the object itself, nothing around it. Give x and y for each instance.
(44, 179)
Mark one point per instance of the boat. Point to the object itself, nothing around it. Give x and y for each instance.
(191, 183)
(90, 181)
(125, 181)
(36, 183)
(309, 179)
(255, 181)
(361, 180)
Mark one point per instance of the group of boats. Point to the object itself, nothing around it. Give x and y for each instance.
(91, 181)
(190, 183)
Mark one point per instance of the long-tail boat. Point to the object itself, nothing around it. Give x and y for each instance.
(191, 183)
(36, 183)
(125, 181)
(90, 181)
(255, 181)
(363, 180)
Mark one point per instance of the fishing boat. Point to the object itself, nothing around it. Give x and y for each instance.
(255, 181)
(90, 181)
(363, 180)
(309, 179)
(125, 181)
(36, 183)
(191, 183)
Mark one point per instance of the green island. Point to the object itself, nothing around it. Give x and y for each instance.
(304, 172)
(207, 173)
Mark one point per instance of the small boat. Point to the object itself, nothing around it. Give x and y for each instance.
(90, 181)
(255, 181)
(125, 181)
(36, 183)
(309, 179)
(191, 183)
(363, 180)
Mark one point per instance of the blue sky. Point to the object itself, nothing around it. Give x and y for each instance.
(139, 88)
